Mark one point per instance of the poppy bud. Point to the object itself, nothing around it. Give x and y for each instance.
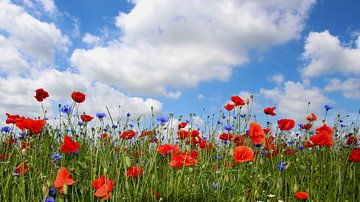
(23, 152)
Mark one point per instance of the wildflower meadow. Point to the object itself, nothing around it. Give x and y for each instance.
(232, 157)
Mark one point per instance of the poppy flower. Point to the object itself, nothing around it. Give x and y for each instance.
(182, 125)
(86, 118)
(286, 124)
(104, 136)
(183, 134)
(307, 126)
(103, 187)
(205, 145)
(69, 145)
(78, 97)
(11, 119)
(128, 134)
(63, 177)
(325, 129)
(256, 133)
(243, 154)
(34, 126)
(134, 171)
(167, 148)
(267, 130)
(307, 144)
(229, 107)
(311, 117)
(147, 133)
(41, 94)
(195, 133)
(301, 195)
(226, 136)
(290, 151)
(184, 159)
(21, 169)
(239, 140)
(351, 140)
(355, 155)
(238, 101)
(322, 139)
(270, 111)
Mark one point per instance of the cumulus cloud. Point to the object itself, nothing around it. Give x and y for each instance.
(177, 44)
(350, 87)
(17, 95)
(277, 78)
(26, 40)
(91, 40)
(326, 54)
(292, 99)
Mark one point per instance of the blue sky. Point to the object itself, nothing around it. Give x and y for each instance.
(182, 56)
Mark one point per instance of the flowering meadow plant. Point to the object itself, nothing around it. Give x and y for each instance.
(233, 157)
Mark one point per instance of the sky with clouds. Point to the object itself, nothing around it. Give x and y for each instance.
(180, 56)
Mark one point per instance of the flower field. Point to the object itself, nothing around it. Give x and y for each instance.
(232, 157)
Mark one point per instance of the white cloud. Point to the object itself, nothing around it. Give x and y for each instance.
(177, 44)
(200, 96)
(90, 39)
(49, 6)
(326, 54)
(292, 99)
(27, 39)
(349, 87)
(17, 95)
(277, 78)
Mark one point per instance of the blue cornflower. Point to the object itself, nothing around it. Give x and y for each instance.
(128, 114)
(52, 191)
(341, 121)
(281, 166)
(22, 134)
(263, 152)
(162, 120)
(114, 126)
(342, 125)
(131, 125)
(258, 145)
(215, 185)
(224, 117)
(80, 123)
(242, 115)
(228, 128)
(301, 147)
(100, 115)
(49, 199)
(217, 157)
(328, 107)
(56, 157)
(6, 129)
(74, 153)
(65, 109)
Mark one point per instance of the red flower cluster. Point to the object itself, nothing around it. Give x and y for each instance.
(323, 136)
(134, 172)
(103, 187)
(34, 126)
(184, 159)
(237, 102)
(167, 148)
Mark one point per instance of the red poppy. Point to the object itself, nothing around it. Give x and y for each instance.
(12, 118)
(182, 125)
(301, 195)
(269, 139)
(78, 97)
(325, 129)
(63, 177)
(34, 126)
(243, 154)
(183, 134)
(134, 171)
(256, 133)
(195, 140)
(267, 130)
(269, 146)
(205, 145)
(311, 117)
(322, 139)
(184, 159)
(286, 124)
(167, 148)
(229, 107)
(195, 133)
(355, 155)
(147, 133)
(226, 136)
(351, 140)
(307, 126)
(270, 111)
(307, 144)
(41, 94)
(239, 140)
(86, 118)
(104, 136)
(238, 101)
(290, 151)
(103, 187)
(21, 169)
(128, 134)
(69, 145)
